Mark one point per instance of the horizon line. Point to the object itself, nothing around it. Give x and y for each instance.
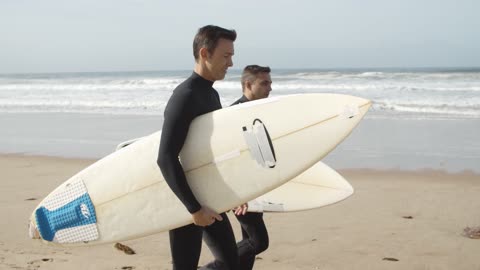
(392, 68)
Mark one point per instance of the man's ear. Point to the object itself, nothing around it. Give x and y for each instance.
(248, 85)
(203, 53)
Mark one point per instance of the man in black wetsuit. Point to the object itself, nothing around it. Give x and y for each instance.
(256, 84)
(213, 50)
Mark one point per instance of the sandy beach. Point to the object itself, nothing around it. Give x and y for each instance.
(78, 80)
(395, 220)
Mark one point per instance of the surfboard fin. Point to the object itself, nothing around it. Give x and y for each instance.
(260, 144)
(260, 206)
(349, 111)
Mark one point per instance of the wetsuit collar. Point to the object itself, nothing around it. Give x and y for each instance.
(243, 99)
(200, 80)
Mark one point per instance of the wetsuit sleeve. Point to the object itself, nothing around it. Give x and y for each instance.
(177, 118)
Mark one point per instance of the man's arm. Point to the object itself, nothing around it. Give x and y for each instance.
(178, 116)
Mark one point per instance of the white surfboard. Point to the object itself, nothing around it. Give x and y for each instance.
(316, 187)
(230, 156)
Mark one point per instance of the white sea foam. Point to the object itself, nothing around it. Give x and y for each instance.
(423, 93)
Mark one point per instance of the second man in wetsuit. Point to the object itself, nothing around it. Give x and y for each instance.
(256, 84)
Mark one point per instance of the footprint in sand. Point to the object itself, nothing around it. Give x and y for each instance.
(473, 233)
(36, 264)
(126, 249)
(41, 260)
(390, 259)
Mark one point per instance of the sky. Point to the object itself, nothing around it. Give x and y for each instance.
(143, 35)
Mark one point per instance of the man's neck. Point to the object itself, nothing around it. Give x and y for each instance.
(250, 98)
(202, 72)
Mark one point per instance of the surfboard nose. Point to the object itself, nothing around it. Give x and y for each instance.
(348, 188)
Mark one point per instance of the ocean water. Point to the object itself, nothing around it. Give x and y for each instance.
(420, 93)
(420, 118)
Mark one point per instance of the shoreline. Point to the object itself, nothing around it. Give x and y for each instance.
(425, 170)
(397, 143)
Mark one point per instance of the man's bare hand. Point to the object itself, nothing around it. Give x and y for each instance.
(241, 210)
(205, 217)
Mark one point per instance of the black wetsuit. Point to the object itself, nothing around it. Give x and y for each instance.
(254, 234)
(194, 97)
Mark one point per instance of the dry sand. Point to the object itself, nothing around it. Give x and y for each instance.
(395, 220)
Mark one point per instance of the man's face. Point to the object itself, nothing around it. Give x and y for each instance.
(221, 59)
(261, 87)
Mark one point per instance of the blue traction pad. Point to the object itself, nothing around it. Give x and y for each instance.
(78, 212)
(67, 215)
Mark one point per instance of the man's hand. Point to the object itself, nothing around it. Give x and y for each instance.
(241, 210)
(205, 217)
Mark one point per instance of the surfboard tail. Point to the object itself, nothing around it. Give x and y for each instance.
(67, 217)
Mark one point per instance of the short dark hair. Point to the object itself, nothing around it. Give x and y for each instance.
(250, 73)
(208, 36)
